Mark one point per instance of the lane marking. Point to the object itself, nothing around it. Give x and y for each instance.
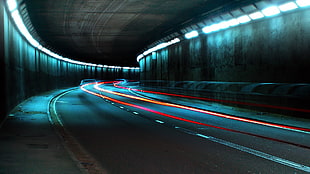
(58, 101)
(53, 106)
(136, 113)
(184, 119)
(85, 162)
(159, 121)
(217, 114)
(220, 141)
(202, 128)
(257, 153)
(289, 129)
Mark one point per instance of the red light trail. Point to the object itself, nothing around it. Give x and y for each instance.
(201, 110)
(218, 100)
(184, 119)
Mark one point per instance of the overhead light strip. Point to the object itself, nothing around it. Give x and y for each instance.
(191, 34)
(272, 10)
(158, 47)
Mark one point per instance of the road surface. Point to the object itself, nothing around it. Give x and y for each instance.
(128, 133)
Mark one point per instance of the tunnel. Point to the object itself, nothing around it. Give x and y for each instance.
(145, 86)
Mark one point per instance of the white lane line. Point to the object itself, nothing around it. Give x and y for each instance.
(294, 130)
(58, 101)
(251, 151)
(258, 153)
(53, 105)
(202, 128)
(159, 121)
(76, 151)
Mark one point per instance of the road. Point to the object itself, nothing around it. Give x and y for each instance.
(128, 133)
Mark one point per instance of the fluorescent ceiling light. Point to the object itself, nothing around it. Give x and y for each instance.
(158, 47)
(244, 19)
(256, 15)
(22, 28)
(270, 11)
(223, 25)
(140, 56)
(191, 34)
(12, 4)
(173, 41)
(233, 22)
(216, 27)
(207, 29)
(210, 28)
(303, 3)
(288, 6)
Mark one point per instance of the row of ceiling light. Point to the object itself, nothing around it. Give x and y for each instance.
(13, 8)
(243, 15)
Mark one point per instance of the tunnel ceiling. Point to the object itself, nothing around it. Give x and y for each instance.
(112, 32)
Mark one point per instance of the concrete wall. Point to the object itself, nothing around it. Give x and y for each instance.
(3, 109)
(25, 71)
(274, 49)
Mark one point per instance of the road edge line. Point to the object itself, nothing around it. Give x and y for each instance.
(84, 161)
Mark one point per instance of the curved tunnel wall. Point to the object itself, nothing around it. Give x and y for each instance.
(26, 71)
(274, 50)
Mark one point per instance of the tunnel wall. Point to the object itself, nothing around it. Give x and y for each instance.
(3, 109)
(275, 49)
(26, 71)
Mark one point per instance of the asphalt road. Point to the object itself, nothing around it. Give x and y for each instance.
(127, 135)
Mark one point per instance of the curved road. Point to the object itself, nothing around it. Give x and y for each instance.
(126, 133)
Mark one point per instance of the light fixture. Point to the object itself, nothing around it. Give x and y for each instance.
(207, 29)
(288, 6)
(12, 5)
(191, 34)
(173, 41)
(233, 22)
(303, 3)
(223, 25)
(158, 47)
(271, 11)
(210, 28)
(244, 19)
(22, 28)
(139, 57)
(256, 15)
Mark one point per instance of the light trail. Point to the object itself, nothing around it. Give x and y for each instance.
(204, 111)
(218, 100)
(182, 119)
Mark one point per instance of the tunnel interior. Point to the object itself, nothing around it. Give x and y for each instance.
(173, 41)
(177, 86)
(112, 31)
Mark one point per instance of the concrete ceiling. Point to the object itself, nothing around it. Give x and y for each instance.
(113, 32)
